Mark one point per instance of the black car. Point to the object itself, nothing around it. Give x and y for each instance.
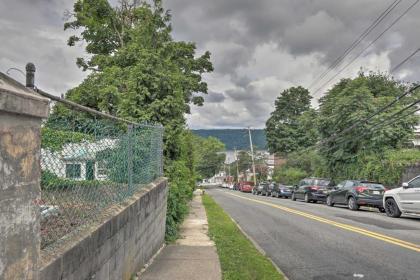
(280, 190)
(312, 189)
(261, 189)
(356, 193)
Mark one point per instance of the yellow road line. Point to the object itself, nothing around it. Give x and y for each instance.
(385, 238)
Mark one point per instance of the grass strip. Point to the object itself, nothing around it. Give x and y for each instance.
(239, 259)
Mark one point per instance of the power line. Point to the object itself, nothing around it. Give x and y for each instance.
(368, 46)
(362, 36)
(405, 60)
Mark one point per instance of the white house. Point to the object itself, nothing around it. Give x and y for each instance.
(77, 161)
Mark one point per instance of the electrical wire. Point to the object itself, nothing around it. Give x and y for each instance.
(368, 46)
(355, 43)
(404, 61)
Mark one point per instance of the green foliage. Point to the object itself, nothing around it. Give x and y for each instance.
(54, 140)
(138, 148)
(138, 71)
(386, 168)
(309, 162)
(50, 181)
(290, 126)
(236, 138)
(209, 156)
(289, 175)
(244, 161)
(180, 192)
(352, 100)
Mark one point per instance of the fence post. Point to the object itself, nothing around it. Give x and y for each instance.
(130, 157)
(21, 112)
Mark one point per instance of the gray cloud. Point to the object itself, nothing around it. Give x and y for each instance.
(258, 48)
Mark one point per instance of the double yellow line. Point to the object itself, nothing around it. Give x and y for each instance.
(385, 238)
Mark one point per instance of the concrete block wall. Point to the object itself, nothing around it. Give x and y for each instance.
(121, 245)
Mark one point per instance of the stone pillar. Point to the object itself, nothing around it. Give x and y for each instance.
(21, 112)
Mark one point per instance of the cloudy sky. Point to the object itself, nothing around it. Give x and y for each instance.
(259, 48)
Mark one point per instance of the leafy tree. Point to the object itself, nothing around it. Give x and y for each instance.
(350, 101)
(137, 70)
(284, 130)
(210, 158)
(244, 161)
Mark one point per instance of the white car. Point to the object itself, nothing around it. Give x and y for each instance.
(405, 199)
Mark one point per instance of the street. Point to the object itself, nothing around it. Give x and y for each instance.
(313, 241)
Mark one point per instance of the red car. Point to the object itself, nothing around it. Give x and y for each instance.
(246, 186)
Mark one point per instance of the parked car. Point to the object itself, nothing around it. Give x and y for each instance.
(245, 186)
(312, 189)
(405, 199)
(356, 193)
(261, 189)
(280, 190)
(270, 188)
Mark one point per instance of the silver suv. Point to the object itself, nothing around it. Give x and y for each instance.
(405, 199)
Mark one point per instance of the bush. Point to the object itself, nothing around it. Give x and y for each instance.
(386, 168)
(180, 193)
(289, 175)
(50, 181)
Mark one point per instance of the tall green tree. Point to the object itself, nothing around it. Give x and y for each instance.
(210, 156)
(353, 100)
(137, 70)
(285, 127)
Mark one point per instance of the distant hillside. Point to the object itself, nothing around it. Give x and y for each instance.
(236, 138)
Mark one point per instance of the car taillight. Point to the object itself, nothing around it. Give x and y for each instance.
(361, 189)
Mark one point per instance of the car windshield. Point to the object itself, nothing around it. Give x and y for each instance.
(320, 182)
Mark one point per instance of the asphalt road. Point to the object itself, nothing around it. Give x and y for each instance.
(314, 241)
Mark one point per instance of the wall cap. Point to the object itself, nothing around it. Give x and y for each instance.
(17, 99)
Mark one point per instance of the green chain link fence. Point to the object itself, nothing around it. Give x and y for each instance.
(90, 164)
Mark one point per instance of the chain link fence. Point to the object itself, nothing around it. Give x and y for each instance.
(90, 163)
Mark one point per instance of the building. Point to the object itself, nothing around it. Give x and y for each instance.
(78, 161)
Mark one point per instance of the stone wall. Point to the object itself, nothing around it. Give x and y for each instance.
(120, 246)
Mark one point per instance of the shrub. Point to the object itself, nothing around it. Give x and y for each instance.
(289, 175)
(180, 193)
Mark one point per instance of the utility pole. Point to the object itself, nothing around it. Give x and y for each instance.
(229, 172)
(237, 166)
(252, 156)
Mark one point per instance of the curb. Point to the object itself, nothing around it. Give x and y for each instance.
(261, 250)
(137, 276)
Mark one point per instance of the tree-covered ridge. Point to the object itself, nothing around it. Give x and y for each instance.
(236, 138)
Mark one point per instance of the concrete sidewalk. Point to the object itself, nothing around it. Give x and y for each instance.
(193, 256)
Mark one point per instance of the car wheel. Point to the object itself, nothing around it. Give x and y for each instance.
(391, 208)
(293, 197)
(307, 200)
(330, 201)
(352, 204)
